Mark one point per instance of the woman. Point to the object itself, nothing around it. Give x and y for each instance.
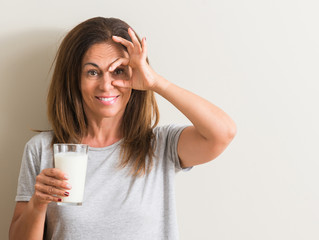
(102, 94)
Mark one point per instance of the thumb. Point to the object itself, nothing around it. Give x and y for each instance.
(122, 83)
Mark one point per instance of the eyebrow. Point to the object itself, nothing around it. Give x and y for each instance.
(93, 64)
(97, 66)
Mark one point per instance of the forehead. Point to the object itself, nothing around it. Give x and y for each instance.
(104, 53)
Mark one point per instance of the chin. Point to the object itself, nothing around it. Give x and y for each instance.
(112, 114)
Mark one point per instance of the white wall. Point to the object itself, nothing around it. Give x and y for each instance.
(256, 59)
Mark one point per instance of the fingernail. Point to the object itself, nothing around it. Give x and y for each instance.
(66, 176)
(68, 186)
(66, 194)
(59, 200)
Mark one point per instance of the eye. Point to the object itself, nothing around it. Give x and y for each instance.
(118, 71)
(93, 73)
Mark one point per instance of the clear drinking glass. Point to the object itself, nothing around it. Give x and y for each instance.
(72, 160)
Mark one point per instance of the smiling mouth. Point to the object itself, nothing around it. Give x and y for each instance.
(107, 100)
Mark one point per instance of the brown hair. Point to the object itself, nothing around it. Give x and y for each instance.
(65, 108)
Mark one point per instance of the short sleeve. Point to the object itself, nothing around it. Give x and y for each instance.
(168, 139)
(28, 171)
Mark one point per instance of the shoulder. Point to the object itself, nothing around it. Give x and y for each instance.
(167, 138)
(165, 129)
(168, 132)
(168, 129)
(40, 141)
(38, 152)
(42, 137)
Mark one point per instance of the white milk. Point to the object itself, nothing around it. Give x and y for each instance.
(74, 165)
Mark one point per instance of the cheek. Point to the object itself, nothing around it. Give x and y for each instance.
(86, 97)
(86, 89)
(127, 95)
(82, 88)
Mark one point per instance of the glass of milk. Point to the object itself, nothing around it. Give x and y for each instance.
(72, 160)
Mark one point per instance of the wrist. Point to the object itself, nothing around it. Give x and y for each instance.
(160, 84)
(37, 205)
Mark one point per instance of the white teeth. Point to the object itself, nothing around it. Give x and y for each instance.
(107, 99)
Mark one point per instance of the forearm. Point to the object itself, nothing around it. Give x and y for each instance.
(30, 224)
(210, 121)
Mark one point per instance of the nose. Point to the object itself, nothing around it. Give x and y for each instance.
(106, 82)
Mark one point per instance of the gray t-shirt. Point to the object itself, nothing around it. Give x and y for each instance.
(116, 205)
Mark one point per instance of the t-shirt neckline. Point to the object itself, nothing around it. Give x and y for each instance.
(107, 147)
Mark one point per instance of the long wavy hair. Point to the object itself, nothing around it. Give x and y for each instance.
(65, 105)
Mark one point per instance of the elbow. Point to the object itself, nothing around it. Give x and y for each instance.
(219, 145)
(224, 141)
(232, 131)
(228, 134)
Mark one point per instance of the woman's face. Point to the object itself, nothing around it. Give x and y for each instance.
(100, 98)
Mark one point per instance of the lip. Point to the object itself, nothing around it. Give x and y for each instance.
(107, 102)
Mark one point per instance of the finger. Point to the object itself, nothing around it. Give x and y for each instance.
(129, 45)
(49, 190)
(144, 47)
(122, 83)
(56, 173)
(135, 41)
(50, 181)
(47, 198)
(119, 62)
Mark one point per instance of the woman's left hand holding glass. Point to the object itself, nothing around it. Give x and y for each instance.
(142, 76)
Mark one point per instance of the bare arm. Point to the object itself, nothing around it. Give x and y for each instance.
(212, 128)
(29, 217)
(28, 221)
